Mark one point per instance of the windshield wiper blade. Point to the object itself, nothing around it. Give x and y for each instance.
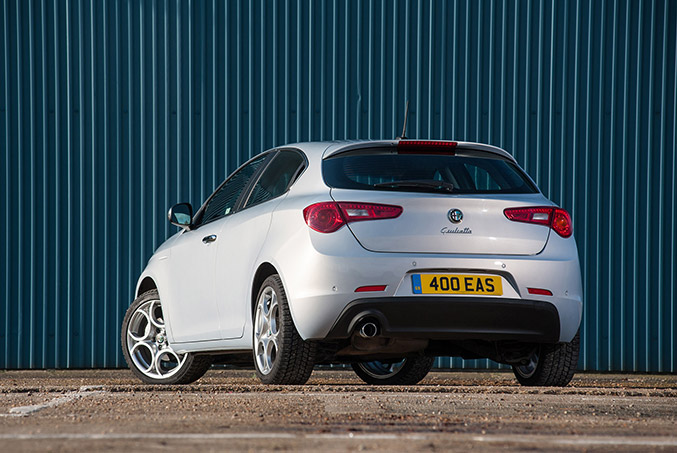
(419, 184)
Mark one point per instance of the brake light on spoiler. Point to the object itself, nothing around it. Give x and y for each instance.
(327, 217)
(426, 147)
(556, 218)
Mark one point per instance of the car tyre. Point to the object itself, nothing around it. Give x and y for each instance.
(407, 371)
(148, 352)
(281, 356)
(552, 365)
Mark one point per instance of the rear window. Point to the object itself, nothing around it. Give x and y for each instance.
(421, 172)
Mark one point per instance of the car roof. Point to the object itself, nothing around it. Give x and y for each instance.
(320, 150)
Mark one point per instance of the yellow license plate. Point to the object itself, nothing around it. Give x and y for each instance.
(490, 285)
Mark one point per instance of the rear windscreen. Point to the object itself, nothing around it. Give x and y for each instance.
(420, 172)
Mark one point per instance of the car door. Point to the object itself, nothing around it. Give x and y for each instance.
(243, 236)
(195, 313)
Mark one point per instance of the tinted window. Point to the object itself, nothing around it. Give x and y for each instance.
(223, 201)
(421, 172)
(276, 178)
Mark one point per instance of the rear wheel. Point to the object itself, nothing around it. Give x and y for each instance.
(550, 365)
(407, 371)
(147, 350)
(281, 356)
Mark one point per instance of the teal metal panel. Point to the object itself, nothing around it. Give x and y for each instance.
(110, 111)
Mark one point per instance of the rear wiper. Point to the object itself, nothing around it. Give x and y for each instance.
(419, 184)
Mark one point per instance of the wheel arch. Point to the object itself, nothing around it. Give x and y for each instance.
(264, 271)
(145, 285)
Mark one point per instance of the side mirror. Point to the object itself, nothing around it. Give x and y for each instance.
(181, 215)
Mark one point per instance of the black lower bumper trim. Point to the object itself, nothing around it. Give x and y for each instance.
(453, 318)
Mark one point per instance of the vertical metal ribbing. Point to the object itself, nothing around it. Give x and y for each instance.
(673, 228)
(587, 144)
(19, 191)
(551, 112)
(264, 131)
(490, 116)
(611, 230)
(370, 70)
(503, 94)
(419, 52)
(94, 244)
(130, 149)
(31, 171)
(648, 217)
(536, 168)
(44, 196)
(673, 215)
(395, 65)
(311, 63)
(358, 75)
(443, 84)
(346, 52)
(382, 72)
(118, 178)
(563, 124)
(334, 67)
(635, 241)
(6, 200)
(624, 190)
(661, 190)
(215, 149)
(154, 124)
(106, 194)
(431, 103)
(299, 68)
(191, 113)
(276, 73)
(250, 86)
(598, 221)
(69, 122)
(407, 62)
(81, 187)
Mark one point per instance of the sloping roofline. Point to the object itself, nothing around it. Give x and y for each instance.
(337, 147)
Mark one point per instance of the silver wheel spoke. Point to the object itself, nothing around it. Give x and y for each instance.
(147, 343)
(266, 330)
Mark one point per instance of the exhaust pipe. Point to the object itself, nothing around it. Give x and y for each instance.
(368, 330)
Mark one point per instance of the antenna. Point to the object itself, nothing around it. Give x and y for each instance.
(404, 128)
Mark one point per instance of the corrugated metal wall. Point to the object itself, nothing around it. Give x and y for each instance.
(111, 111)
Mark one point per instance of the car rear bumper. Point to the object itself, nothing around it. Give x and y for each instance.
(452, 318)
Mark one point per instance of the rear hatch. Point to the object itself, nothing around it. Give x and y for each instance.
(452, 200)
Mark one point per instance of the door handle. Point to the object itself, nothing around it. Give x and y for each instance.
(209, 239)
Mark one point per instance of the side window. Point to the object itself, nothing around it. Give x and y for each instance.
(223, 201)
(276, 178)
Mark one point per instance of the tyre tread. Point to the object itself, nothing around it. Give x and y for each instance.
(556, 367)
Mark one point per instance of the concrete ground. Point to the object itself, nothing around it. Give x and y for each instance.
(231, 410)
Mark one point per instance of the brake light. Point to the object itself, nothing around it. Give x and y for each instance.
(426, 146)
(327, 217)
(323, 217)
(556, 218)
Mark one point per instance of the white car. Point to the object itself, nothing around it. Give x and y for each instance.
(379, 254)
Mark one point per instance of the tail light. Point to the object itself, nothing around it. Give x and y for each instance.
(556, 218)
(327, 217)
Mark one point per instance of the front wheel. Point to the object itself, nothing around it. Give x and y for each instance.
(281, 356)
(407, 371)
(147, 350)
(551, 365)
